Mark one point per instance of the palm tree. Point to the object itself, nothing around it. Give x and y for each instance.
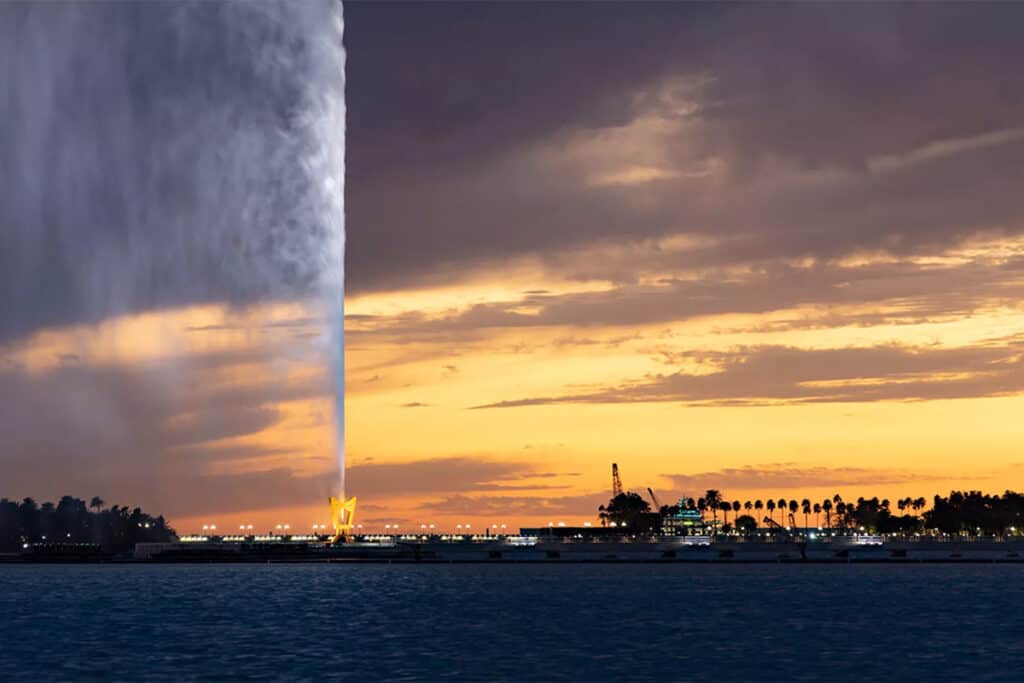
(713, 499)
(724, 505)
(919, 504)
(817, 515)
(781, 505)
(96, 503)
(748, 506)
(826, 505)
(793, 507)
(736, 510)
(771, 509)
(841, 511)
(805, 504)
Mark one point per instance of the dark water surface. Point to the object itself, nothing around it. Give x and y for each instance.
(521, 622)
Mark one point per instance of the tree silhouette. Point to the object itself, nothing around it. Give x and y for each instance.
(745, 524)
(70, 521)
(96, 503)
(961, 512)
(625, 508)
(713, 499)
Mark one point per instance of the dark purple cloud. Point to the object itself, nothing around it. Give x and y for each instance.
(897, 291)
(437, 475)
(154, 154)
(771, 375)
(814, 112)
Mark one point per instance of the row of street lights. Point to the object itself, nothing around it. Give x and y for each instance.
(322, 528)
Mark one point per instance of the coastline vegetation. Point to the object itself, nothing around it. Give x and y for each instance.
(71, 520)
(960, 513)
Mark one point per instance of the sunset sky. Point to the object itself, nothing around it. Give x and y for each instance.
(772, 249)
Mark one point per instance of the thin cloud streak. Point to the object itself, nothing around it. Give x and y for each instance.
(791, 476)
(778, 375)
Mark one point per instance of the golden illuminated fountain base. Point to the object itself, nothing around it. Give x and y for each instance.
(343, 518)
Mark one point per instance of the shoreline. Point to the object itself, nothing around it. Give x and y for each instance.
(654, 551)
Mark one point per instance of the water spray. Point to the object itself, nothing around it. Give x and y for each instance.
(165, 155)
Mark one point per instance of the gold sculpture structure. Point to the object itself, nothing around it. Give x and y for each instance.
(343, 517)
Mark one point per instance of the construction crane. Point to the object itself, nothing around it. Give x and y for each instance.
(654, 499)
(616, 482)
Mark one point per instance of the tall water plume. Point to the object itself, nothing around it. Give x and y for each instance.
(164, 155)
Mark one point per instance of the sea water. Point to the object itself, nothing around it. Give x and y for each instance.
(511, 622)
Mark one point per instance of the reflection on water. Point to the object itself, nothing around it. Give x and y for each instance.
(484, 622)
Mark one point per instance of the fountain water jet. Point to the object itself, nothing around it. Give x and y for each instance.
(160, 156)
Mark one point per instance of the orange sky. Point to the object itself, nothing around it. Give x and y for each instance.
(421, 450)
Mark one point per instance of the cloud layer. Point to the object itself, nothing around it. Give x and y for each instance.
(775, 375)
(779, 132)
